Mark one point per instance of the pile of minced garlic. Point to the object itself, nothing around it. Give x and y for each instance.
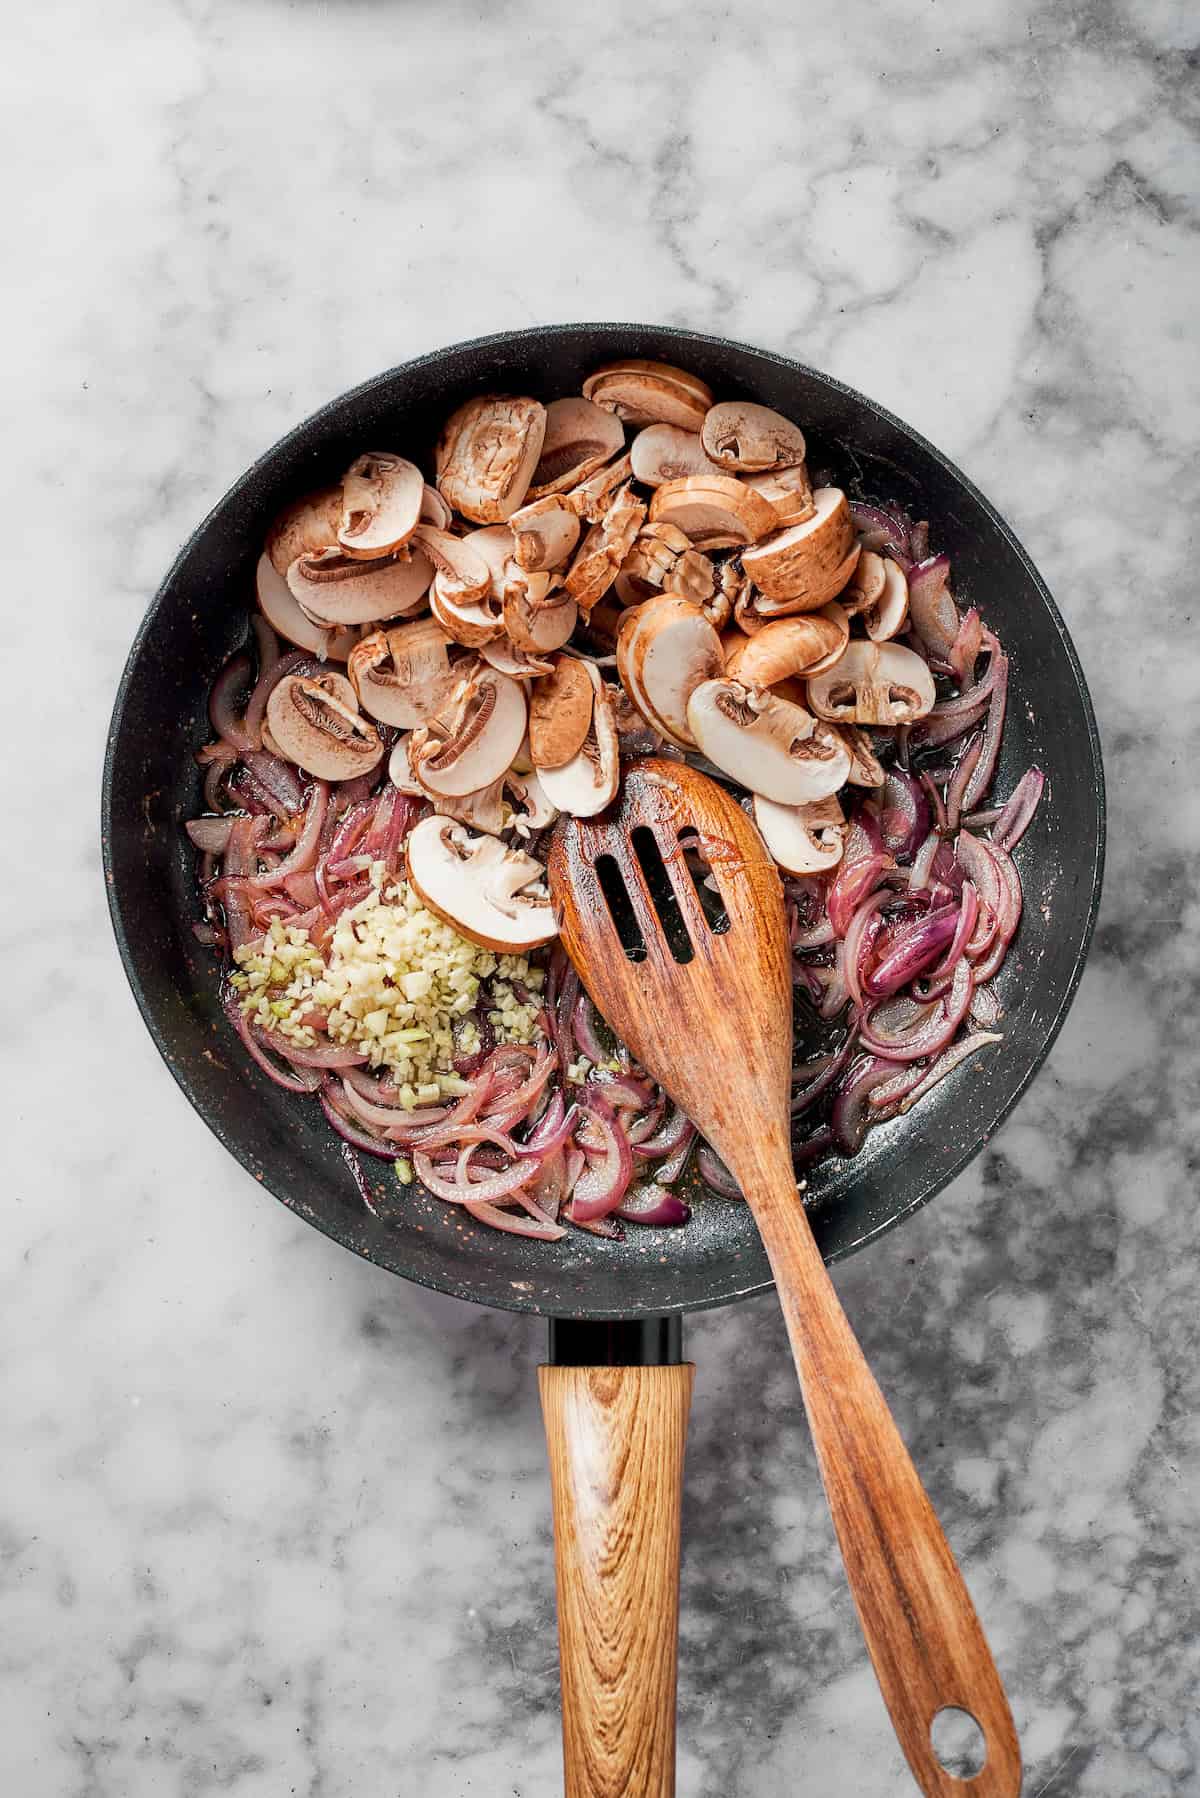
(396, 982)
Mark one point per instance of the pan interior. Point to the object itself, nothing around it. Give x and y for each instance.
(152, 785)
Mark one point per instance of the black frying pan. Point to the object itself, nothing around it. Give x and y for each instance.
(635, 1291)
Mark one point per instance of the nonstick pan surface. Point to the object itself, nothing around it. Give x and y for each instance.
(151, 784)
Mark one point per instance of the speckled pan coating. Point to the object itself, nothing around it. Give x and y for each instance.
(151, 784)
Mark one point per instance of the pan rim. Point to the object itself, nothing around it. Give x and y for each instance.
(510, 1300)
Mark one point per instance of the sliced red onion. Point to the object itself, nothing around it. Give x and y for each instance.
(817, 936)
(985, 1008)
(714, 1173)
(926, 1037)
(968, 913)
(604, 1182)
(882, 529)
(860, 935)
(538, 1225)
(277, 778)
(384, 1117)
(851, 1112)
(668, 1171)
(922, 866)
(269, 678)
(963, 771)
(933, 615)
(330, 1055)
(227, 721)
(1011, 905)
(655, 1205)
(947, 1062)
(583, 1023)
(292, 1081)
(852, 885)
(820, 1082)
(350, 1132)
(904, 816)
(553, 1132)
(304, 854)
(993, 730)
(210, 834)
(911, 949)
(964, 652)
(475, 1192)
(1017, 814)
(675, 1131)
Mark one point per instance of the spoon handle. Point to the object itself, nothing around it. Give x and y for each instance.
(917, 1616)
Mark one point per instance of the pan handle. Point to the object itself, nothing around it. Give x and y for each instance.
(615, 1401)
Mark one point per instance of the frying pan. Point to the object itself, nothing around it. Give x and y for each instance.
(616, 1452)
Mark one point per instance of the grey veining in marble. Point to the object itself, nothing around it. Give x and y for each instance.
(271, 1522)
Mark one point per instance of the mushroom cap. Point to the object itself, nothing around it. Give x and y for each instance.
(661, 453)
(471, 622)
(605, 547)
(504, 656)
(588, 782)
(539, 629)
(787, 646)
(713, 511)
(400, 770)
(487, 453)
(788, 491)
(476, 737)
(751, 439)
(304, 528)
(768, 744)
(803, 839)
(807, 564)
(874, 683)
(493, 895)
(670, 649)
(465, 573)
(579, 438)
(591, 499)
(341, 589)
(403, 676)
(560, 713)
(283, 613)
(314, 727)
(866, 585)
(646, 393)
(382, 495)
(532, 810)
(888, 615)
(434, 509)
(544, 531)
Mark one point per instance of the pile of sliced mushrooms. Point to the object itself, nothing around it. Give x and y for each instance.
(637, 567)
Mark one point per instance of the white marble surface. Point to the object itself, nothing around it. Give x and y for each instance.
(270, 1521)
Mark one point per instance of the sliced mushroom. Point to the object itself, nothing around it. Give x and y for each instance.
(588, 782)
(473, 741)
(382, 497)
(579, 439)
(465, 574)
(663, 453)
(866, 770)
(434, 509)
(799, 569)
(605, 547)
(647, 393)
(888, 615)
(493, 895)
(470, 622)
(304, 528)
(487, 453)
(713, 511)
(874, 683)
(282, 612)
(592, 498)
(866, 584)
(544, 532)
(504, 656)
(670, 649)
(803, 839)
(784, 647)
(662, 556)
(768, 744)
(315, 728)
(400, 771)
(751, 439)
(478, 811)
(538, 629)
(560, 713)
(788, 491)
(532, 810)
(338, 589)
(403, 676)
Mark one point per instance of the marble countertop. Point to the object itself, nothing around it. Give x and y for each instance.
(270, 1521)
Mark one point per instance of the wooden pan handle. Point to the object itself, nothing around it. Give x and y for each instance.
(916, 1613)
(616, 1439)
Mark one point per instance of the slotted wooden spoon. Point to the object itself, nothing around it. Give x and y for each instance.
(716, 1030)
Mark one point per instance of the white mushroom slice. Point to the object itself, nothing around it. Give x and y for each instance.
(662, 556)
(487, 453)
(588, 782)
(788, 491)
(874, 683)
(400, 772)
(665, 453)
(768, 744)
(751, 439)
(304, 528)
(888, 615)
(465, 574)
(536, 812)
(560, 713)
(538, 630)
(434, 509)
(339, 589)
(787, 646)
(403, 676)
(803, 839)
(544, 532)
(472, 742)
(282, 612)
(605, 547)
(713, 511)
(866, 770)
(504, 656)
(579, 439)
(317, 730)
(591, 499)
(866, 585)
(801, 568)
(672, 649)
(381, 503)
(493, 895)
(647, 393)
(479, 811)
(470, 622)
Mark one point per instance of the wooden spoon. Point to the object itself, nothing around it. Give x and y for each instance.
(715, 1028)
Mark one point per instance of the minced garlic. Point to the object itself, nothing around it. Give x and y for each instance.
(396, 982)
